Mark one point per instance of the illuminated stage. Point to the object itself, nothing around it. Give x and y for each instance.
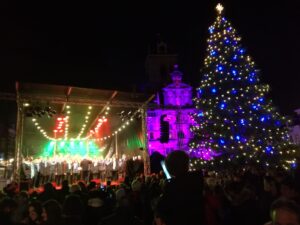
(60, 124)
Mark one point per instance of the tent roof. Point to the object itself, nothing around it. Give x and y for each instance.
(123, 106)
(76, 95)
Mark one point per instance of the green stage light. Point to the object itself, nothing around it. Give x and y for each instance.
(72, 148)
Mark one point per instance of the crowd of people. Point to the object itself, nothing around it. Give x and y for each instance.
(249, 196)
(72, 168)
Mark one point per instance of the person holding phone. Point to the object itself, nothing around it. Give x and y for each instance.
(182, 199)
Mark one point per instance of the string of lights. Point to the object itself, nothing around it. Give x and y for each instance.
(100, 121)
(123, 125)
(87, 117)
(235, 118)
(67, 123)
(41, 130)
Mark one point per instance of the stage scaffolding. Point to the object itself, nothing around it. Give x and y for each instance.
(55, 94)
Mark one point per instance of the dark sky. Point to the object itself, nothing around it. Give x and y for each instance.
(104, 45)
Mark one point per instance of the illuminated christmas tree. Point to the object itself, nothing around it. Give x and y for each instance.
(236, 120)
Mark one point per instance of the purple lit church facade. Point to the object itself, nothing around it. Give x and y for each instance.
(177, 111)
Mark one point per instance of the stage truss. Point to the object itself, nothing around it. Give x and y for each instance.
(28, 93)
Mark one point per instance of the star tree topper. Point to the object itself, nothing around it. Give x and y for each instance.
(219, 8)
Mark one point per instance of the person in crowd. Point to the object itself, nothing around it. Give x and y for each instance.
(75, 171)
(73, 210)
(95, 206)
(11, 189)
(92, 186)
(7, 207)
(75, 189)
(296, 173)
(59, 172)
(284, 212)
(123, 213)
(85, 166)
(101, 169)
(22, 200)
(136, 196)
(269, 194)
(64, 191)
(182, 199)
(34, 213)
(93, 170)
(48, 193)
(288, 190)
(213, 205)
(42, 166)
(47, 171)
(52, 169)
(52, 213)
(242, 203)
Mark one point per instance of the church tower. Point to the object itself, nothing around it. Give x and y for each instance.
(168, 127)
(177, 94)
(159, 63)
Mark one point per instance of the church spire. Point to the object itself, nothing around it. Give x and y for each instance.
(161, 46)
(176, 76)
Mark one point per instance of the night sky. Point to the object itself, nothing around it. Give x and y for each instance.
(92, 45)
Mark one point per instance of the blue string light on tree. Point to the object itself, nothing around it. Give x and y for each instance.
(234, 72)
(251, 80)
(255, 107)
(238, 137)
(223, 105)
(242, 122)
(234, 92)
(220, 68)
(222, 141)
(269, 149)
(262, 119)
(200, 114)
(239, 121)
